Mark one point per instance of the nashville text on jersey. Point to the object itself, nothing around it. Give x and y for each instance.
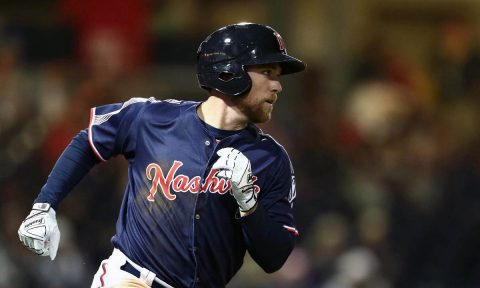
(182, 183)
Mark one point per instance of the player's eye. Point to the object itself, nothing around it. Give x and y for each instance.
(271, 73)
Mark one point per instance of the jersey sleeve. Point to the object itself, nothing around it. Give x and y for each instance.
(269, 231)
(280, 195)
(111, 129)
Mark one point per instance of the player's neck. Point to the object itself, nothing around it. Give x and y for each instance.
(221, 113)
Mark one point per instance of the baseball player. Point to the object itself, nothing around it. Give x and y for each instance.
(204, 183)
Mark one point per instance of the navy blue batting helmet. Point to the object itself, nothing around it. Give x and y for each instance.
(223, 56)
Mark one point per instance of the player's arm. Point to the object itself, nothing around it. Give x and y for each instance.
(269, 231)
(39, 231)
(108, 135)
(268, 241)
(72, 165)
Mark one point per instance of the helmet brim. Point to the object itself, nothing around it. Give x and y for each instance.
(288, 63)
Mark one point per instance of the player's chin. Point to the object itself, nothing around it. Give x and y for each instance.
(262, 117)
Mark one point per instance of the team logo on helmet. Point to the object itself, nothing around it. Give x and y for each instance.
(281, 43)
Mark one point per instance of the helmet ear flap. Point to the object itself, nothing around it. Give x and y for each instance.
(231, 80)
(226, 76)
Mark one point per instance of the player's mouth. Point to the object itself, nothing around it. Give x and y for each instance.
(271, 100)
(269, 104)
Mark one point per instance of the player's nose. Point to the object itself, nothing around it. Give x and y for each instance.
(276, 86)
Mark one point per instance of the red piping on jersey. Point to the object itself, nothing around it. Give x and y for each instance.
(90, 136)
(104, 268)
(292, 230)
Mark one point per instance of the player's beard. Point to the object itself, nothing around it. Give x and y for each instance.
(256, 110)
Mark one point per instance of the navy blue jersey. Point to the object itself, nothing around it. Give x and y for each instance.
(177, 218)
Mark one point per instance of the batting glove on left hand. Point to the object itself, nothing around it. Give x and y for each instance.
(39, 231)
(234, 166)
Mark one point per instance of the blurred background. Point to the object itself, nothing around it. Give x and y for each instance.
(382, 129)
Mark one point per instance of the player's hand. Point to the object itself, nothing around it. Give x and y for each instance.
(39, 231)
(234, 166)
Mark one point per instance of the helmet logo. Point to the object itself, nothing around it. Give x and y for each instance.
(281, 43)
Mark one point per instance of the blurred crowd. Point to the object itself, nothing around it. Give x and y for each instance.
(388, 173)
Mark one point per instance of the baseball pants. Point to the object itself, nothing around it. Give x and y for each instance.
(118, 270)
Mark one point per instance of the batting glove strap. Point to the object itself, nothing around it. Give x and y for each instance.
(39, 231)
(42, 207)
(246, 198)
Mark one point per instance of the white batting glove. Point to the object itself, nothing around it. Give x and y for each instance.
(234, 166)
(39, 231)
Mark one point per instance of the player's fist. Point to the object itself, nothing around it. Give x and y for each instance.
(39, 231)
(234, 166)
